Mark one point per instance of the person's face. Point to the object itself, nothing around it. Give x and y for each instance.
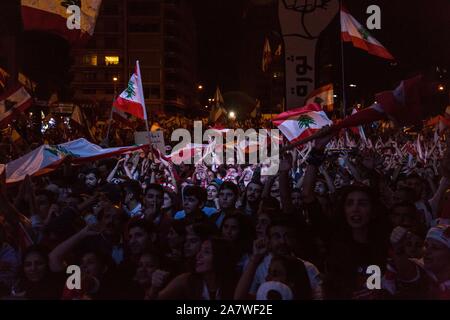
(281, 240)
(416, 185)
(436, 257)
(43, 203)
(357, 209)
(275, 190)
(34, 267)
(413, 246)
(320, 188)
(262, 223)
(400, 196)
(192, 243)
(174, 240)
(191, 204)
(211, 175)
(212, 193)
(296, 199)
(253, 192)
(91, 265)
(204, 259)
(154, 199)
(230, 229)
(167, 201)
(146, 266)
(402, 216)
(277, 272)
(111, 223)
(71, 202)
(227, 199)
(339, 181)
(90, 180)
(138, 240)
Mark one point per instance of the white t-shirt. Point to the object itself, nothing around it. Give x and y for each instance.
(315, 279)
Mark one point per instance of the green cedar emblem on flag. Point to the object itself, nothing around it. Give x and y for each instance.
(364, 33)
(130, 90)
(305, 121)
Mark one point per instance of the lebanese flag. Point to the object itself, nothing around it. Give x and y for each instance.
(186, 153)
(131, 100)
(79, 121)
(48, 158)
(323, 96)
(302, 122)
(53, 16)
(12, 101)
(122, 117)
(352, 31)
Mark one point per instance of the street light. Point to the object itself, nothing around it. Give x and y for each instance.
(441, 87)
(353, 85)
(232, 115)
(200, 87)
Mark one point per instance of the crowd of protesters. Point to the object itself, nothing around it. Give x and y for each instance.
(140, 228)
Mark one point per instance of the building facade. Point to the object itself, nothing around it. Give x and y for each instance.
(158, 33)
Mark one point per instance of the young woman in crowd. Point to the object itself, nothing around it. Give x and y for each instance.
(213, 278)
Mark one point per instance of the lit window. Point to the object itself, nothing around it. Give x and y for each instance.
(90, 59)
(111, 60)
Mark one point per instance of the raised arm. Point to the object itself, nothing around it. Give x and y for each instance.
(113, 172)
(56, 257)
(243, 287)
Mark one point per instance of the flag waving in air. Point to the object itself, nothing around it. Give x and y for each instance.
(267, 56)
(131, 100)
(56, 17)
(352, 31)
(302, 122)
(324, 96)
(12, 102)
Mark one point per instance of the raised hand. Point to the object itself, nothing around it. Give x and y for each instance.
(159, 278)
(306, 14)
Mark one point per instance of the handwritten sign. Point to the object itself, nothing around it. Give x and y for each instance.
(156, 139)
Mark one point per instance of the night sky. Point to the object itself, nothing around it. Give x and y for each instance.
(416, 32)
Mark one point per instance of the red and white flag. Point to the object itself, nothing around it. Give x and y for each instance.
(14, 100)
(55, 17)
(47, 158)
(301, 122)
(186, 153)
(131, 100)
(352, 31)
(122, 117)
(323, 96)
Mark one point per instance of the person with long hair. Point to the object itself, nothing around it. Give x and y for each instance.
(36, 280)
(359, 240)
(237, 229)
(213, 278)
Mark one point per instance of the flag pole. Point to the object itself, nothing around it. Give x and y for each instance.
(141, 93)
(110, 119)
(112, 109)
(344, 98)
